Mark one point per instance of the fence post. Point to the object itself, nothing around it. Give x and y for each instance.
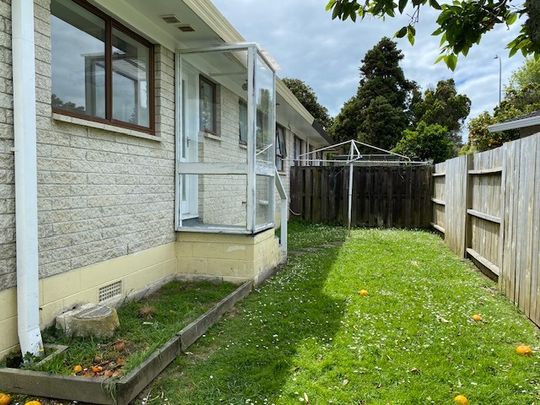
(468, 202)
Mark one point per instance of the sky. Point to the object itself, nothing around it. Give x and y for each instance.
(307, 44)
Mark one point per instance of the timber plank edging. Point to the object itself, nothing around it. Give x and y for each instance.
(118, 392)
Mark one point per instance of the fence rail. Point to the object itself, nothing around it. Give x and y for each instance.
(488, 207)
(383, 196)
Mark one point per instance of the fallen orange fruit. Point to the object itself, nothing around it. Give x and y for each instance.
(476, 318)
(33, 403)
(77, 369)
(461, 400)
(363, 293)
(5, 399)
(524, 350)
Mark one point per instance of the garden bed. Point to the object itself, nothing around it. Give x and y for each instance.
(153, 332)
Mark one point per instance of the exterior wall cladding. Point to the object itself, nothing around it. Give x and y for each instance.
(100, 194)
(103, 194)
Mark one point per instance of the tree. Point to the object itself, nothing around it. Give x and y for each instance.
(378, 113)
(522, 96)
(443, 105)
(461, 23)
(426, 142)
(306, 95)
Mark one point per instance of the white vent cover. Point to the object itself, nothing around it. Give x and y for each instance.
(110, 291)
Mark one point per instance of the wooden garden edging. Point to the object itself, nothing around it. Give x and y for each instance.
(123, 391)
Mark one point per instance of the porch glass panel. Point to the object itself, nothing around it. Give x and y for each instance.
(225, 140)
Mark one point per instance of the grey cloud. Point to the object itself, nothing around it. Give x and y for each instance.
(307, 44)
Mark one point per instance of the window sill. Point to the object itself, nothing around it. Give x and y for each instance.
(242, 146)
(282, 172)
(104, 127)
(213, 137)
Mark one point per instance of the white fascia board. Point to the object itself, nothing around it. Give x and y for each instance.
(523, 123)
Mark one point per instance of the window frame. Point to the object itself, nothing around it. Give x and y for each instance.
(215, 109)
(242, 104)
(110, 24)
(281, 147)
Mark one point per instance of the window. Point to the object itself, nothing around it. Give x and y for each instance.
(242, 122)
(207, 106)
(297, 151)
(281, 148)
(100, 70)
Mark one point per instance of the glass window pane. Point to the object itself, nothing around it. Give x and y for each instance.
(78, 59)
(242, 117)
(130, 79)
(264, 94)
(207, 95)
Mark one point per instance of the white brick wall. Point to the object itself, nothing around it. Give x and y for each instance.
(222, 199)
(7, 184)
(101, 194)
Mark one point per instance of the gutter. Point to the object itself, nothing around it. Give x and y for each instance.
(516, 124)
(26, 211)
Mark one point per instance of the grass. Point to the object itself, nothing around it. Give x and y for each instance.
(307, 335)
(171, 308)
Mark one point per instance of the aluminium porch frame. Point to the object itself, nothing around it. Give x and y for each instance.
(251, 170)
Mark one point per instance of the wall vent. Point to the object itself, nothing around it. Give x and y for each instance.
(110, 291)
(186, 28)
(170, 19)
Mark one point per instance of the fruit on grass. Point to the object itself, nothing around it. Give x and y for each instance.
(363, 293)
(33, 403)
(77, 369)
(524, 350)
(476, 317)
(97, 369)
(120, 346)
(5, 399)
(461, 400)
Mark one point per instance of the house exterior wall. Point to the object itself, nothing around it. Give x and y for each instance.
(106, 197)
(222, 199)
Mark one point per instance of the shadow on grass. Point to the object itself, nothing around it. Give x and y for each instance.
(251, 354)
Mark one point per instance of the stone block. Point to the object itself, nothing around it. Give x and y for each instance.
(89, 320)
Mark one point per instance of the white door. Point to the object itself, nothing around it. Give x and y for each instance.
(189, 140)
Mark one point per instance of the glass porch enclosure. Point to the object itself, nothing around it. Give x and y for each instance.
(226, 119)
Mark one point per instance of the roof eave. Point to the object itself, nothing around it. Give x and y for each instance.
(522, 123)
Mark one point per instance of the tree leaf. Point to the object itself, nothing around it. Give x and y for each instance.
(435, 4)
(402, 5)
(451, 61)
(330, 4)
(511, 19)
(401, 33)
(411, 32)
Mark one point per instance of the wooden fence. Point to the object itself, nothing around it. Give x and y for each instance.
(383, 196)
(488, 207)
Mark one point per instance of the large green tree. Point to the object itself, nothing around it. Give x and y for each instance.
(461, 23)
(522, 96)
(426, 142)
(378, 113)
(443, 105)
(306, 95)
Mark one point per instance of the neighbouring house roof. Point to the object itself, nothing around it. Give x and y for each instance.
(529, 120)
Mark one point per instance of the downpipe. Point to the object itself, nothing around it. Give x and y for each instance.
(26, 208)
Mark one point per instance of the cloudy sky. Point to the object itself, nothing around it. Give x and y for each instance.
(326, 54)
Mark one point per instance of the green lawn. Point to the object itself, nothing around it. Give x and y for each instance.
(308, 335)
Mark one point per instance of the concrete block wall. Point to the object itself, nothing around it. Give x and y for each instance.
(7, 182)
(222, 199)
(101, 193)
(230, 258)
